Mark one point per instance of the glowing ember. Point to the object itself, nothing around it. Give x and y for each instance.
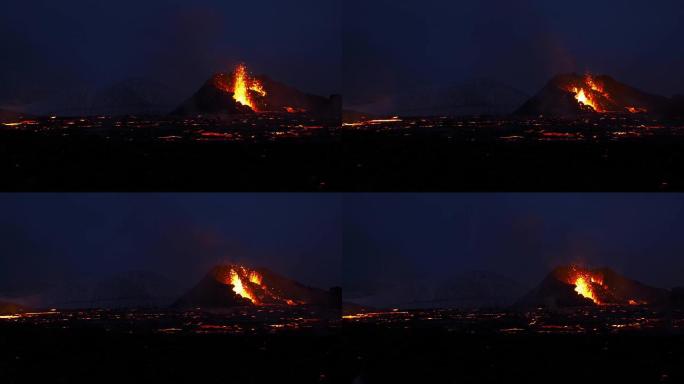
(636, 110)
(244, 85)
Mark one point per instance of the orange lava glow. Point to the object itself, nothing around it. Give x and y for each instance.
(589, 93)
(582, 98)
(586, 284)
(636, 110)
(249, 284)
(239, 287)
(583, 287)
(255, 278)
(244, 85)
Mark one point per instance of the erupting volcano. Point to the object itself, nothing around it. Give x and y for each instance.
(249, 284)
(241, 93)
(573, 286)
(244, 87)
(572, 94)
(590, 94)
(236, 285)
(586, 283)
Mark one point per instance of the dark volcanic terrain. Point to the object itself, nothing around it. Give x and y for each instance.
(256, 152)
(597, 152)
(602, 344)
(173, 346)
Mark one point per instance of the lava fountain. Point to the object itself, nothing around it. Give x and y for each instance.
(589, 93)
(240, 288)
(244, 85)
(249, 284)
(586, 283)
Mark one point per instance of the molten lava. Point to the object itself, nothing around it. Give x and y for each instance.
(589, 93)
(239, 287)
(582, 98)
(583, 287)
(244, 85)
(255, 278)
(249, 284)
(586, 283)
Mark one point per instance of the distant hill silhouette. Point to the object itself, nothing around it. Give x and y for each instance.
(478, 289)
(134, 289)
(476, 97)
(132, 96)
(280, 97)
(465, 290)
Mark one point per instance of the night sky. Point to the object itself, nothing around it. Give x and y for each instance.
(49, 46)
(391, 46)
(47, 239)
(408, 237)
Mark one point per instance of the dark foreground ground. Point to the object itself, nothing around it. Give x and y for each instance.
(31, 355)
(280, 345)
(452, 347)
(297, 153)
(597, 153)
(435, 356)
(125, 347)
(262, 153)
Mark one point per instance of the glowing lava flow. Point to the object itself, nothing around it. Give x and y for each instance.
(255, 278)
(239, 288)
(243, 84)
(588, 93)
(586, 283)
(249, 284)
(582, 98)
(583, 287)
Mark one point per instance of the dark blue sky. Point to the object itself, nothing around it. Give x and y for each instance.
(48, 44)
(46, 238)
(391, 45)
(431, 236)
